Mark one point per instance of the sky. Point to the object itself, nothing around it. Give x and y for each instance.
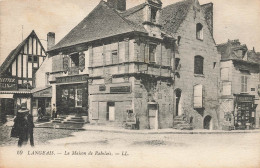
(233, 19)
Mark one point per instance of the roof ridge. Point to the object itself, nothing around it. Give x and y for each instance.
(77, 24)
(141, 6)
(125, 20)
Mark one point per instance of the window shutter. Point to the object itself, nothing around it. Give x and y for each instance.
(82, 61)
(127, 50)
(245, 84)
(146, 58)
(66, 60)
(226, 88)
(225, 74)
(198, 96)
(90, 56)
(141, 56)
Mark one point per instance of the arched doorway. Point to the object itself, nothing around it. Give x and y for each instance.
(207, 123)
(177, 108)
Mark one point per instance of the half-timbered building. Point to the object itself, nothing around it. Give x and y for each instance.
(17, 74)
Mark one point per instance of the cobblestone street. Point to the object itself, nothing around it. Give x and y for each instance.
(41, 135)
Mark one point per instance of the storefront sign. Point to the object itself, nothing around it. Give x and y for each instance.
(120, 89)
(43, 93)
(245, 98)
(8, 84)
(72, 79)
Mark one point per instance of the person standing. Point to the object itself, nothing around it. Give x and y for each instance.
(54, 115)
(23, 126)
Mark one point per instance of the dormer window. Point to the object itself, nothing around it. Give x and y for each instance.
(199, 31)
(74, 60)
(153, 15)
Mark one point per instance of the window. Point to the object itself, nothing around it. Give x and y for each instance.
(214, 65)
(29, 58)
(199, 31)
(114, 57)
(198, 96)
(198, 65)
(153, 15)
(243, 83)
(74, 60)
(35, 59)
(78, 98)
(152, 50)
(224, 74)
(226, 86)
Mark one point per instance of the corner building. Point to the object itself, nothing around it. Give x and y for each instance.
(129, 61)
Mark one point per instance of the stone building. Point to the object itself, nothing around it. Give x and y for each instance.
(240, 85)
(130, 58)
(17, 75)
(196, 64)
(130, 64)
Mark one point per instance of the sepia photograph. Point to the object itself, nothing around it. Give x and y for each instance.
(129, 83)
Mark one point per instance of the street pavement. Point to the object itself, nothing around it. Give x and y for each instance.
(92, 148)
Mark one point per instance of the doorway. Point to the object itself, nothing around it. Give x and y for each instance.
(178, 102)
(207, 123)
(41, 104)
(111, 111)
(7, 106)
(153, 116)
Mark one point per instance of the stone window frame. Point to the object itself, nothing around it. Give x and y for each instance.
(199, 31)
(198, 65)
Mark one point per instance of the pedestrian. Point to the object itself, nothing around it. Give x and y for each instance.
(40, 115)
(23, 127)
(54, 115)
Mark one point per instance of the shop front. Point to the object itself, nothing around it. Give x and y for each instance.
(42, 101)
(12, 98)
(72, 95)
(245, 111)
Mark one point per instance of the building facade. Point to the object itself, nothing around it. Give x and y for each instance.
(129, 61)
(196, 62)
(17, 75)
(240, 81)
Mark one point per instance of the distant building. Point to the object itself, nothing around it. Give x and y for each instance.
(17, 75)
(240, 85)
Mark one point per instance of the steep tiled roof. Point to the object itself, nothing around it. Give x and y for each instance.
(102, 22)
(228, 52)
(132, 10)
(253, 56)
(9, 59)
(173, 15)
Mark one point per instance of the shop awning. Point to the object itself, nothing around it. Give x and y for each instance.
(42, 92)
(15, 92)
(6, 96)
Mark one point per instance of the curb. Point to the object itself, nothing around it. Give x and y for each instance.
(81, 129)
(171, 132)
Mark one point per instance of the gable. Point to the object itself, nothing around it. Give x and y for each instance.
(30, 46)
(102, 22)
(173, 15)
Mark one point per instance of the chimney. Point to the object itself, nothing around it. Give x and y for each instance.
(50, 40)
(117, 4)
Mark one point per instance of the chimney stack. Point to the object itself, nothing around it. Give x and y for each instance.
(50, 40)
(117, 4)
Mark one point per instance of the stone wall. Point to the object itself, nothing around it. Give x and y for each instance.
(189, 47)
